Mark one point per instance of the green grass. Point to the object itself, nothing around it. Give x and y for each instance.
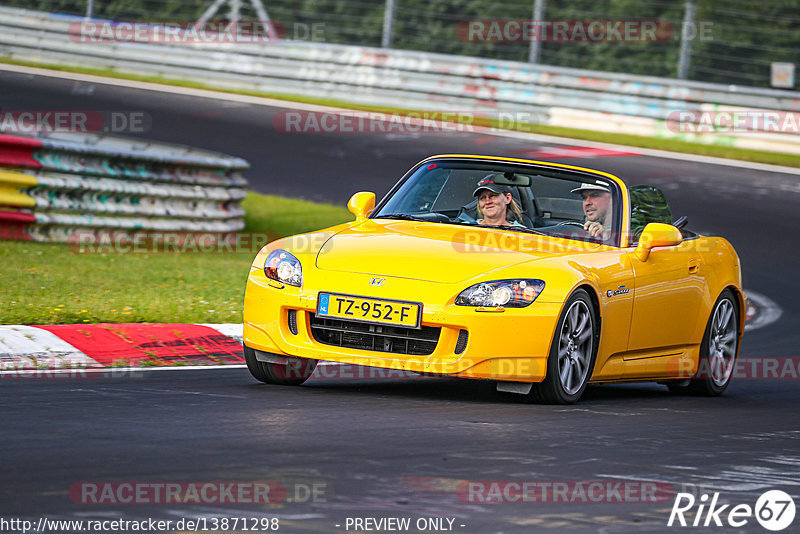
(49, 283)
(668, 144)
(287, 216)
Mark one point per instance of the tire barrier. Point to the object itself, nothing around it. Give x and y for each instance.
(738, 116)
(55, 187)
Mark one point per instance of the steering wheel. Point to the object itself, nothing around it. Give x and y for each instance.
(580, 231)
(463, 215)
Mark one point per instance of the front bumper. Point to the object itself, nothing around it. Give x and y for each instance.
(512, 344)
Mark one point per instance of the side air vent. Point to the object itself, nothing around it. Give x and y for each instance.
(461, 344)
(293, 321)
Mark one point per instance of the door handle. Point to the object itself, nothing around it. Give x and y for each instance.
(694, 266)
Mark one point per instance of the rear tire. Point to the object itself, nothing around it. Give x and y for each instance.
(717, 351)
(572, 353)
(293, 373)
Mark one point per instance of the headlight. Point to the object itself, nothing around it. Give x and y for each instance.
(283, 267)
(506, 293)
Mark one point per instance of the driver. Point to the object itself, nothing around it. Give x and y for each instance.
(597, 208)
(494, 201)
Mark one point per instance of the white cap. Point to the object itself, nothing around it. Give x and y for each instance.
(590, 187)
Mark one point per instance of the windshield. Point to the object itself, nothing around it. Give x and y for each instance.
(518, 198)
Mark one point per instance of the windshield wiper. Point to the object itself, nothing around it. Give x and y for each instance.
(523, 229)
(406, 217)
(462, 221)
(402, 217)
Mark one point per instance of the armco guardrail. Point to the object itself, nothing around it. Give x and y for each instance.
(55, 187)
(546, 94)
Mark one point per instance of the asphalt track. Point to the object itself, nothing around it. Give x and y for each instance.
(400, 447)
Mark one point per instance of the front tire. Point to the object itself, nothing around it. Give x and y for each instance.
(717, 351)
(293, 373)
(572, 353)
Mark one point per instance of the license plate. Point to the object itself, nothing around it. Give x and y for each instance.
(368, 310)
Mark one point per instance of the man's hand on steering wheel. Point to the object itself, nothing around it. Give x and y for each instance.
(594, 228)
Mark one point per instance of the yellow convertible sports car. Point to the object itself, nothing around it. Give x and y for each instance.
(541, 276)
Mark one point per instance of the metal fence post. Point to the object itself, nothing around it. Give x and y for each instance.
(388, 24)
(688, 26)
(535, 50)
(89, 9)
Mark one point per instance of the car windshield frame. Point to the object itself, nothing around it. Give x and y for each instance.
(480, 167)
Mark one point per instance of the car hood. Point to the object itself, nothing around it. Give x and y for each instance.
(435, 252)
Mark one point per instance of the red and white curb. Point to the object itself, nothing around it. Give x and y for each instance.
(761, 311)
(99, 346)
(575, 152)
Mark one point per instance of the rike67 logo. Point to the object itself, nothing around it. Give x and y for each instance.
(774, 510)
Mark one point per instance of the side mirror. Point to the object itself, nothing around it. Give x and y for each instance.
(361, 205)
(657, 235)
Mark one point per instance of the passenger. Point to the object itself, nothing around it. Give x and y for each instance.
(494, 202)
(597, 208)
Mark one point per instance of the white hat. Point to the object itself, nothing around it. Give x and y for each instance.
(590, 187)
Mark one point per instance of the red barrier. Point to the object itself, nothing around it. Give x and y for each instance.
(19, 217)
(13, 225)
(18, 151)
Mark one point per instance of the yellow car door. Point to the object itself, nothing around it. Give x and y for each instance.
(669, 286)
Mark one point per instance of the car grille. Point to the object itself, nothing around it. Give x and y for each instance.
(380, 338)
